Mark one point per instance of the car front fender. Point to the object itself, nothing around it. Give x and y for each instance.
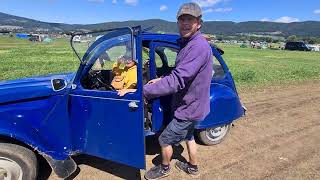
(61, 164)
(28, 135)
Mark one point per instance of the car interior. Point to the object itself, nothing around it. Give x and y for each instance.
(99, 78)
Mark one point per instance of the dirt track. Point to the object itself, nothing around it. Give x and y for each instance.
(278, 139)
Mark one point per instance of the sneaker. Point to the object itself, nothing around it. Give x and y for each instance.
(157, 172)
(182, 166)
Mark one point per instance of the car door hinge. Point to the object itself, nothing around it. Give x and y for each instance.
(136, 30)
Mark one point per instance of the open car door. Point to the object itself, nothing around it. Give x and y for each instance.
(105, 124)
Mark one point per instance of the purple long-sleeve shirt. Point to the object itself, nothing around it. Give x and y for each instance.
(189, 80)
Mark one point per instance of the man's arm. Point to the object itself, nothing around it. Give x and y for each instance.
(185, 71)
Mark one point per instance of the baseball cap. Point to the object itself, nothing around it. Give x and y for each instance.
(192, 9)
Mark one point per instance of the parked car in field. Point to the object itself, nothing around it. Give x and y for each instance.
(77, 39)
(64, 115)
(296, 46)
(314, 47)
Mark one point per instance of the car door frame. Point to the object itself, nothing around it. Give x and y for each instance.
(157, 110)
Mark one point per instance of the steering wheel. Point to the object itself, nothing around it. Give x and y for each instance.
(97, 81)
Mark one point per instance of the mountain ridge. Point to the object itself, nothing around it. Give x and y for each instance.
(305, 28)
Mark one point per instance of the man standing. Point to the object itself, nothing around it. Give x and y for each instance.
(190, 84)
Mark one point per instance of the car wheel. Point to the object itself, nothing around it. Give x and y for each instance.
(215, 135)
(17, 162)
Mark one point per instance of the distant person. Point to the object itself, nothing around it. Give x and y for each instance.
(252, 44)
(189, 82)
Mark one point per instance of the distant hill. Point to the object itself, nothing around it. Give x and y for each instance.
(307, 28)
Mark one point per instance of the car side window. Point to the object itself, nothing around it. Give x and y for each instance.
(171, 55)
(114, 67)
(109, 57)
(218, 70)
(158, 60)
(165, 58)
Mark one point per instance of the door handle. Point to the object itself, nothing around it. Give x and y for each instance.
(133, 105)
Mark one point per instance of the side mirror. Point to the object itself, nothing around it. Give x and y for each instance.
(58, 84)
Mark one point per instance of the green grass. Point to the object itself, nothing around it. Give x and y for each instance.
(22, 58)
(257, 67)
(250, 67)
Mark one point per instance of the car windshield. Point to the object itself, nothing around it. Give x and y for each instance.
(118, 47)
(84, 43)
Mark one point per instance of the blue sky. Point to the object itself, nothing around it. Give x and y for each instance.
(97, 11)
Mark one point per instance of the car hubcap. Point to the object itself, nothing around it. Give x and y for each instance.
(217, 133)
(9, 169)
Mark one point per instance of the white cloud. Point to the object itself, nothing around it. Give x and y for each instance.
(96, 1)
(317, 11)
(207, 3)
(131, 2)
(216, 20)
(265, 19)
(207, 11)
(114, 1)
(219, 10)
(223, 10)
(163, 7)
(286, 19)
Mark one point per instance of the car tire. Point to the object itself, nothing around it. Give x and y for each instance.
(17, 162)
(215, 135)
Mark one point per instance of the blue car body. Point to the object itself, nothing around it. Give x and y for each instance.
(71, 120)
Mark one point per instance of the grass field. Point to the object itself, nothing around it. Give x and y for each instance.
(22, 58)
(250, 67)
(257, 67)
